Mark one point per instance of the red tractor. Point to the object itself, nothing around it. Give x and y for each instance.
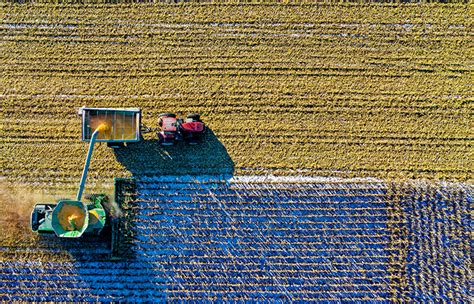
(174, 129)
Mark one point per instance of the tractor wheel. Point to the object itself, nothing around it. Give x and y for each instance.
(167, 115)
(160, 137)
(194, 116)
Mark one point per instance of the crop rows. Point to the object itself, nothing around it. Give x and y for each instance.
(348, 90)
(438, 250)
(261, 238)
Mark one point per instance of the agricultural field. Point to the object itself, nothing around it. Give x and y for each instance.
(337, 165)
(333, 90)
(262, 238)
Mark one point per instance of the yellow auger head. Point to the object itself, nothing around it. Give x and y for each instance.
(103, 127)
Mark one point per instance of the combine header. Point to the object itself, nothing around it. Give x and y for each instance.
(116, 127)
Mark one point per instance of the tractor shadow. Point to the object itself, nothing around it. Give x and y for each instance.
(149, 158)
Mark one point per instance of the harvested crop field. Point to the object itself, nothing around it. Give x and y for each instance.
(337, 165)
(350, 90)
(263, 239)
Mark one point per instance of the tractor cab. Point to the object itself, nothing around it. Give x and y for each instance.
(192, 129)
(169, 124)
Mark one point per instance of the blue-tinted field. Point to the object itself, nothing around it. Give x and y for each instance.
(267, 238)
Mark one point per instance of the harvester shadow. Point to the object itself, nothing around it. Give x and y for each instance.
(85, 248)
(149, 158)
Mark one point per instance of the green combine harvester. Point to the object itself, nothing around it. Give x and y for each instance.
(70, 219)
(74, 218)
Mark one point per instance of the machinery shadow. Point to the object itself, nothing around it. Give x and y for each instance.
(85, 248)
(149, 158)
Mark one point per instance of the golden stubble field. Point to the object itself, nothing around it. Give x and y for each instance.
(335, 90)
(344, 90)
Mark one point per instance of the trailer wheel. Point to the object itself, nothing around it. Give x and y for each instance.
(167, 115)
(116, 145)
(194, 116)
